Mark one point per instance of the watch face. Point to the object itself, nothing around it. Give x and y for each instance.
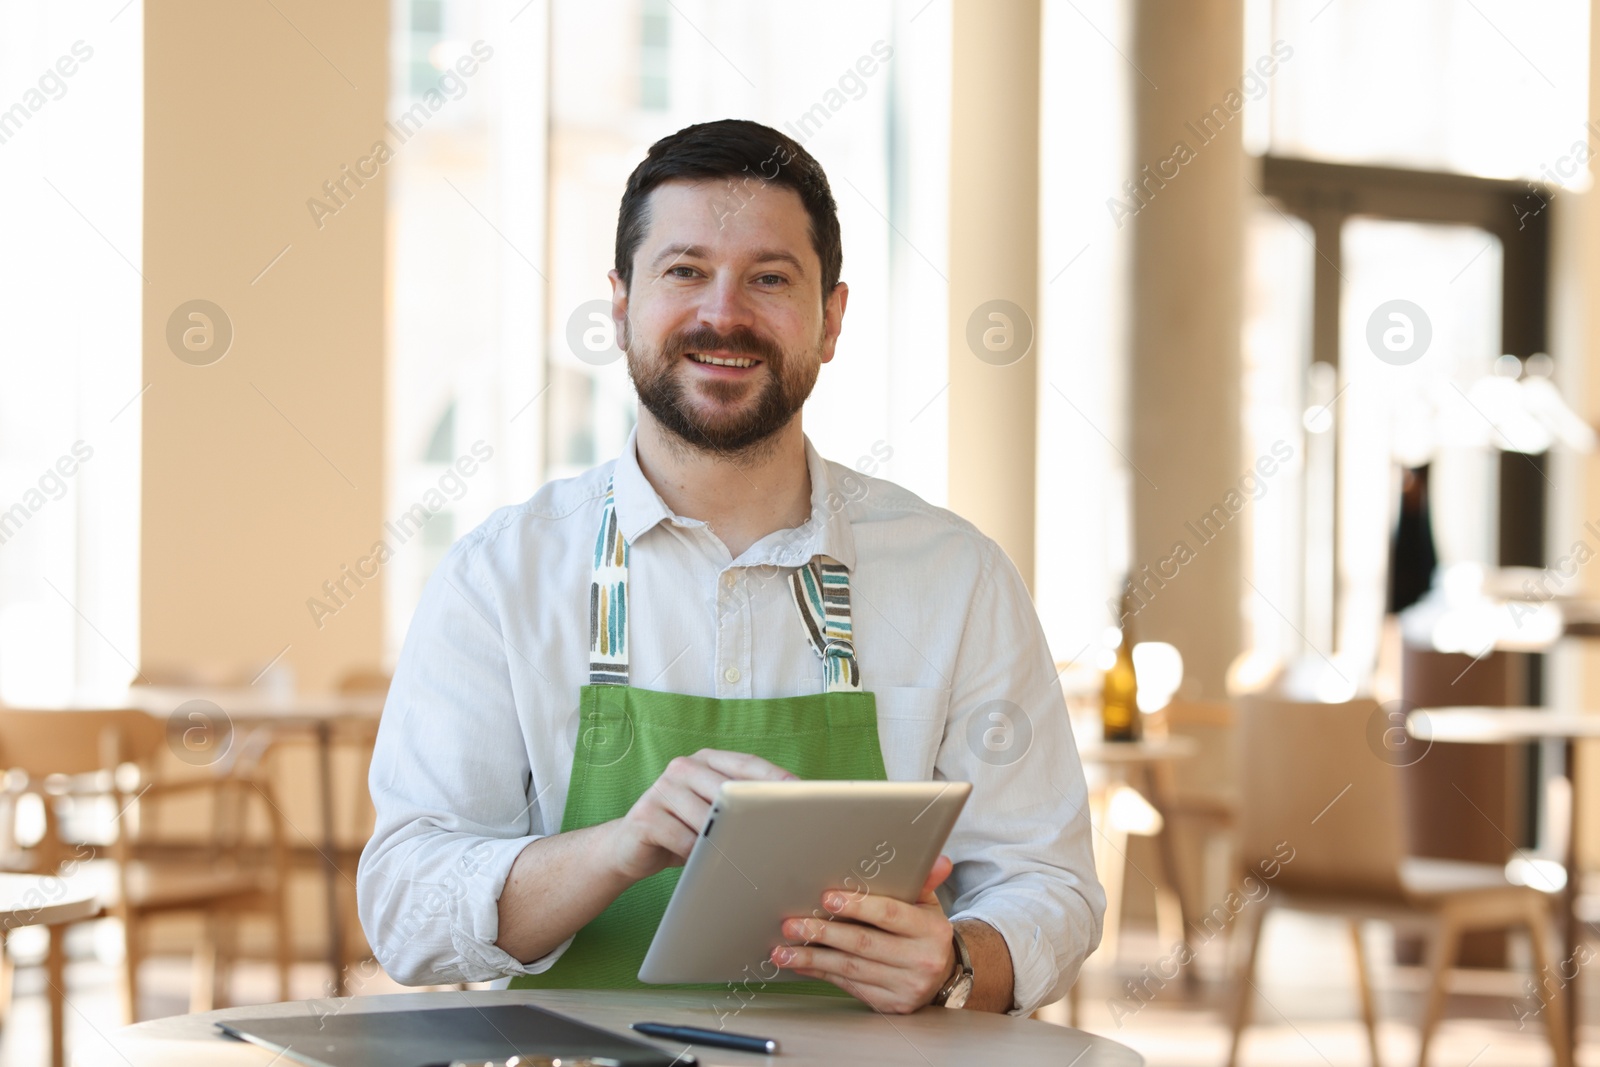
(958, 995)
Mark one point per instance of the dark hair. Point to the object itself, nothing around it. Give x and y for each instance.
(732, 149)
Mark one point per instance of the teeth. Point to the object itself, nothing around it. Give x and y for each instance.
(738, 361)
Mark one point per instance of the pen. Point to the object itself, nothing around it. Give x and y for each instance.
(694, 1035)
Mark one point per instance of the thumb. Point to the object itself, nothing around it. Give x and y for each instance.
(941, 870)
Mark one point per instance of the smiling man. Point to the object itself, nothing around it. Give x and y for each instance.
(587, 668)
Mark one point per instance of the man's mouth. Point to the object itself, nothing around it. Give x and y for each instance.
(709, 360)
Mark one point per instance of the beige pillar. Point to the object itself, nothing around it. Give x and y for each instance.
(262, 469)
(994, 273)
(1184, 380)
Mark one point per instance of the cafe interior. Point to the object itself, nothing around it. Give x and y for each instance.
(1258, 334)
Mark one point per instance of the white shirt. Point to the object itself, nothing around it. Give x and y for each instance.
(475, 748)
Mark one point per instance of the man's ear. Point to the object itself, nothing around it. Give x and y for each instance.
(833, 318)
(619, 307)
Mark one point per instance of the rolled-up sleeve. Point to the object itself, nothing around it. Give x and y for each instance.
(1023, 853)
(451, 786)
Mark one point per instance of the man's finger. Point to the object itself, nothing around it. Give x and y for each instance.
(880, 1000)
(665, 830)
(828, 962)
(941, 870)
(856, 939)
(681, 801)
(694, 774)
(886, 913)
(742, 765)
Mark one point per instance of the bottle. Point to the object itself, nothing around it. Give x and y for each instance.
(1119, 703)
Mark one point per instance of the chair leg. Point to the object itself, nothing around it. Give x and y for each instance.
(55, 964)
(1112, 879)
(284, 929)
(1442, 954)
(131, 932)
(227, 932)
(1555, 1011)
(7, 976)
(1243, 990)
(1369, 1011)
(202, 978)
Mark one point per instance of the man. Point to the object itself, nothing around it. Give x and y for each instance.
(585, 669)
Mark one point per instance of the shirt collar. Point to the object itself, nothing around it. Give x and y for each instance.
(827, 532)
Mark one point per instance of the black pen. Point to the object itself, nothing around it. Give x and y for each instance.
(694, 1035)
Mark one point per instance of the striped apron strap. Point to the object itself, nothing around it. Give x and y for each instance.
(821, 590)
(608, 600)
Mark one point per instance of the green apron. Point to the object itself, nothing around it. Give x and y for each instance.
(627, 736)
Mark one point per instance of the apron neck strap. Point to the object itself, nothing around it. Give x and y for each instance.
(821, 591)
(608, 600)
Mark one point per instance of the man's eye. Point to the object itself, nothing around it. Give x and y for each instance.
(681, 272)
(771, 279)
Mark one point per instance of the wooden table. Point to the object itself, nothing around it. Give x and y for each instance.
(316, 713)
(811, 1031)
(1502, 726)
(45, 900)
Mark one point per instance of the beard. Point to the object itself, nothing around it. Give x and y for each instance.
(731, 427)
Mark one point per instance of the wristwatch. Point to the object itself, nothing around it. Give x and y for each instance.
(958, 987)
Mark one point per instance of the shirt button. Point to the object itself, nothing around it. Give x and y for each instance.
(731, 674)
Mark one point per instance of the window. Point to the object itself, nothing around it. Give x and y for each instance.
(1496, 88)
(426, 24)
(466, 206)
(654, 38)
(1084, 488)
(1448, 96)
(70, 373)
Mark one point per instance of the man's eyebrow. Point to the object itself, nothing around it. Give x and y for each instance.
(675, 252)
(679, 251)
(778, 255)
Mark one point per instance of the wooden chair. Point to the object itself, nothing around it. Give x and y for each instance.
(95, 772)
(1310, 782)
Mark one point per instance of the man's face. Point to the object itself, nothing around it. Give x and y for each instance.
(724, 322)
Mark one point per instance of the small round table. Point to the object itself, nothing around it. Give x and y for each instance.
(45, 900)
(41, 900)
(811, 1031)
(1152, 758)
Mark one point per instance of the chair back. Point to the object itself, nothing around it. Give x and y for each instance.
(1311, 781)
(42, 743)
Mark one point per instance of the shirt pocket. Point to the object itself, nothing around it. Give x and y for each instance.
(910, 730)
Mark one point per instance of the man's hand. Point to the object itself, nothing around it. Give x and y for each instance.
(893, 956)
(661, 827)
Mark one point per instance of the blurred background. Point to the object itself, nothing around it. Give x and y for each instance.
(1258, 332)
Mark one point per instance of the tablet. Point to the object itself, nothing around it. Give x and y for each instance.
(769, 850)
(437, 1037)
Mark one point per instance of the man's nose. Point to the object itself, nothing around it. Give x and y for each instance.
(726, 305)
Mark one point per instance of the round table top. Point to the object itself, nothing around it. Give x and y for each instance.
(1499, 726)
(246, 702)
(43, 900)
(1144, 750)
(810, 1030)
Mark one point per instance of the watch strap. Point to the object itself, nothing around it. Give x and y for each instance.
(962, 969)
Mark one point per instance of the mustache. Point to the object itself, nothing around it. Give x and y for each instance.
(742, 341)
